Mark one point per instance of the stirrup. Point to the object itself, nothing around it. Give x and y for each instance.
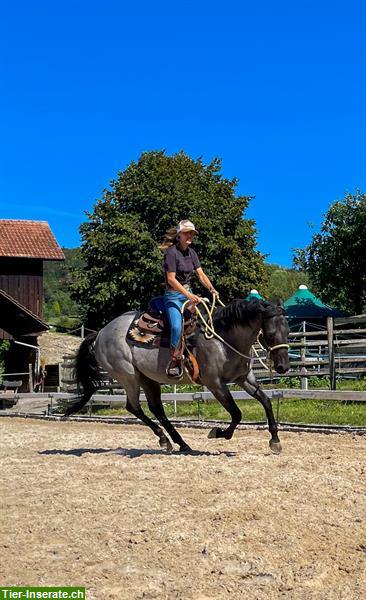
(175, 370)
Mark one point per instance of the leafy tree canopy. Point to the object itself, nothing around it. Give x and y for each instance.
(335, 260)
(282, 283)
(57, 280)
(123, 263)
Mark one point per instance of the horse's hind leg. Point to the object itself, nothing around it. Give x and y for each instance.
(252, 387)
(132, 387)
(153, 396)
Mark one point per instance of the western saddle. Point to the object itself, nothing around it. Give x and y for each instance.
(152, 329)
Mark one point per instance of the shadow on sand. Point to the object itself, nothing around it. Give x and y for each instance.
(133, 452)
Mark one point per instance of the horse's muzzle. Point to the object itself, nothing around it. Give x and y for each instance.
(281, 368)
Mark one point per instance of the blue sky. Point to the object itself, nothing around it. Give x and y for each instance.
(277, 89)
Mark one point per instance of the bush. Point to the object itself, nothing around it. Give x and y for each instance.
(4, 347)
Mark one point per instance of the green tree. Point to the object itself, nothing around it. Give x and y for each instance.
(56, 309)
(282, 282)
(335, 260)
(120, 239)
(4, 348)
(57, 281)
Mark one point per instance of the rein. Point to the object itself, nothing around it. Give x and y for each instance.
(209, 327)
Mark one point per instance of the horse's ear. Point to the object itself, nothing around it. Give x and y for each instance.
(276, 300)
(281, 306)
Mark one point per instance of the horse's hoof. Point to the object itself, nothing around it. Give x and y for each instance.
(275, 447)
(165, 444)
(214, 433)
(185, 449)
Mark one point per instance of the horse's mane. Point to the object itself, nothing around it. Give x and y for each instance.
(242, 312)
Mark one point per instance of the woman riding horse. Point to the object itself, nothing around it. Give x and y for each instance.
(223, 359)
(180, 262)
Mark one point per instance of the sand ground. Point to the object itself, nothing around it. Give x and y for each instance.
(102, 506)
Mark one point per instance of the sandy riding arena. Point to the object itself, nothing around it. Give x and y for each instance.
(102, 506)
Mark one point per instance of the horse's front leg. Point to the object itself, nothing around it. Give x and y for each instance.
(251, 386)
(222, 393)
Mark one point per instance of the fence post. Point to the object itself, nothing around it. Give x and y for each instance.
(198, 397)
(30, 370)
(59, 377)
(175, 399)
(304, 380)
(277, 395)
(330, 334)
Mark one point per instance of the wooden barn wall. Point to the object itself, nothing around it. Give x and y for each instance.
(22, 279)
(4, 335)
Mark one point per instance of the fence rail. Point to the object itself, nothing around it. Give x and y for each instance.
(206, 396)
(27, 374)
(54, 404)
(336, 353)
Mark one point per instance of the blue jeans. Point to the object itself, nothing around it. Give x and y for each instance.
(173, 304)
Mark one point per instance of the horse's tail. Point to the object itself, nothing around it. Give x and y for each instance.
(87, 374)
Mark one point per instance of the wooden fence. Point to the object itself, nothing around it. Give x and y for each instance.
(333, 352)
(10, 379)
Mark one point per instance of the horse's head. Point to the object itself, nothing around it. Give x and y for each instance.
(274, 335)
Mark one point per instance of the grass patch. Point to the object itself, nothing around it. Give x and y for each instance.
(323, 412)
(327, 412)
(314, 383)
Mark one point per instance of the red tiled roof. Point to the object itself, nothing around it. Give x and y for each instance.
(28, 239)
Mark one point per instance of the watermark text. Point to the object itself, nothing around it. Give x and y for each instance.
(42, 593)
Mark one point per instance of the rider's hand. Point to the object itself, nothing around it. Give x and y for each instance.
(194, 298)
(215, 293)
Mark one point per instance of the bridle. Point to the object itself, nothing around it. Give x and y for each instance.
(269, 349)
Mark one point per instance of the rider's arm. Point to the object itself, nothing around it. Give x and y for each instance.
(205, 281)
(178, 287)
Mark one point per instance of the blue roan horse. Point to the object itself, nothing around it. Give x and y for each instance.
(238, 324)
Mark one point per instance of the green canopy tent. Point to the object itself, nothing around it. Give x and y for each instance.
(305, 306)
(254, 294)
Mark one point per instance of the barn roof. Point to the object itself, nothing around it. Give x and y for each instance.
(28, 239)
(16, 319)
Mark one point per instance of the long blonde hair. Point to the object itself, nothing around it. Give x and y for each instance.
(169, 239)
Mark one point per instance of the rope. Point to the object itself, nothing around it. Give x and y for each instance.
(257, 355)
(209, 327)
(210, 332)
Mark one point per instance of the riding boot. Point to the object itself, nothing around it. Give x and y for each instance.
(175, 366)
